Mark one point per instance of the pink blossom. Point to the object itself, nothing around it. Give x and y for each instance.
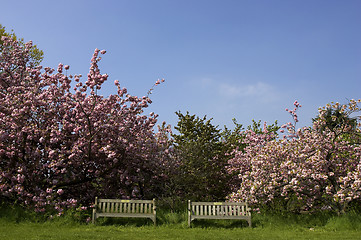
(60, 68)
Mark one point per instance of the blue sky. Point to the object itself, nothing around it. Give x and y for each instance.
(221, 58)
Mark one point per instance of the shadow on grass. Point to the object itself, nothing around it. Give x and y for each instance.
(133, 222)
(226, 224)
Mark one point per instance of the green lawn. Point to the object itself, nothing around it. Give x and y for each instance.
(28, 230)
(18, 224)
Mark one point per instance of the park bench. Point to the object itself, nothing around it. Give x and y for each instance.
(218, 210)
(124, 208)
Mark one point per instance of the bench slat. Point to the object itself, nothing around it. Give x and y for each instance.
(139, 215)
(221, 217)
(124, 201)
(220, 203)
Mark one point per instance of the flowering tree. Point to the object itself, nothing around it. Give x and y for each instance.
(35, 54)
(61, 146)
(311, 169)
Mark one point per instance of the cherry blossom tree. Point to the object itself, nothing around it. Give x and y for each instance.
(62, 144)
(312, 169)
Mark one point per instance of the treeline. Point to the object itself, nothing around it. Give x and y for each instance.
(62, 144)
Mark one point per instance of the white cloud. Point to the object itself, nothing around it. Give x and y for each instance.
(228, 90)
(260, 90)
(237, 90)
(224, 99)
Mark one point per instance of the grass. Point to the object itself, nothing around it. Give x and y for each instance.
(18, 224)
(27, 230)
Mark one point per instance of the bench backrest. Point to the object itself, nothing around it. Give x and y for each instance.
(219, 208)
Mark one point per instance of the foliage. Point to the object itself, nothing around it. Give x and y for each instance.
(200, 159)
(338, 120)
(312, 169)
(269, 129)
(35, 54)
(61, 147)
(231, 139)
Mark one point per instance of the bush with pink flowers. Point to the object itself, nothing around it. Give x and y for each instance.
(310, 169)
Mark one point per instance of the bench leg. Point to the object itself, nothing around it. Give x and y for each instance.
(189, 213)
(94, 216)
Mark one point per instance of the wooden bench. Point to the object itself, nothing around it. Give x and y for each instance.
(218, 210)
(124, 208)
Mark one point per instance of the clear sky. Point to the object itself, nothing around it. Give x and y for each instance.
(243, 59)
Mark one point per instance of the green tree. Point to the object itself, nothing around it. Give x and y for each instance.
(256, 127)
(201, 153)
(336, 119)
(36, 55)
